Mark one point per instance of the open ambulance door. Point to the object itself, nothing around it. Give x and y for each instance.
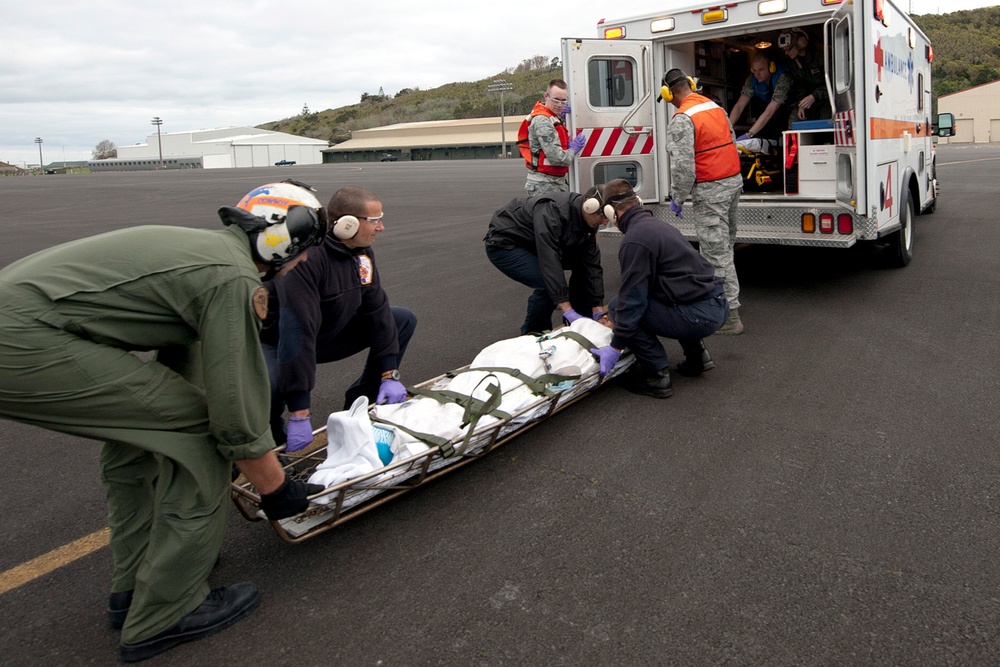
(844, 55)
(611, 100)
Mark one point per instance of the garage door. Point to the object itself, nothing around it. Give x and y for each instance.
(964, 132)
(995, 129)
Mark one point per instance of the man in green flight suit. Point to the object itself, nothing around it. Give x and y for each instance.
(172, 426)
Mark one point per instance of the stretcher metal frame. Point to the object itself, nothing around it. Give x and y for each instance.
(354, 497)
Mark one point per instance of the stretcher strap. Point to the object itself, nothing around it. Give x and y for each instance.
(578, 338)
(444, 445)
(467, 402)
(538, 385)
(474, 410)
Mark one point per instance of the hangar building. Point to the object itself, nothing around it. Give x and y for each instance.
(215, 149)
(977, 113)
(468, 138)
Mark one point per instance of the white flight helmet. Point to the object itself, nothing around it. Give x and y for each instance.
(282, 220)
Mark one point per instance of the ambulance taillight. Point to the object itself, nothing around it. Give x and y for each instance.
(845, 223)
(826, 223)
(808, 223)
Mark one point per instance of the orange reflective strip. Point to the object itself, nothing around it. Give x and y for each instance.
(883, 128)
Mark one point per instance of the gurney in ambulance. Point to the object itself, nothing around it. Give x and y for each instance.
(368, 455)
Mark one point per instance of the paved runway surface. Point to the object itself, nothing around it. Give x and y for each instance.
(826, 496)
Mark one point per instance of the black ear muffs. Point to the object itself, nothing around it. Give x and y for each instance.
(665, 88)
(345, 227)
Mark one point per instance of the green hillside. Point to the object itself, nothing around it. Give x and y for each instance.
(966, 48)
(966, 53)
(448, 102)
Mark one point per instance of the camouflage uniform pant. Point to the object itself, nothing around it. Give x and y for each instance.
(539, 184)
(714, 213)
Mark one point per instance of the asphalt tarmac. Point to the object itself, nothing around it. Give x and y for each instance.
(826, 496)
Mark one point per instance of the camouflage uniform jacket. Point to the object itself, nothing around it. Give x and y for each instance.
(542, 136)
(680, 145)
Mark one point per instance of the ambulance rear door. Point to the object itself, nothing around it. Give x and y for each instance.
(844, 57)
(611, 100)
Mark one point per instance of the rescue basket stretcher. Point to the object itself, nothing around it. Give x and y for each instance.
(353, 497)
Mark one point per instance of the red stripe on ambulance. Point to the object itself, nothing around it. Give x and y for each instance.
(613, 141)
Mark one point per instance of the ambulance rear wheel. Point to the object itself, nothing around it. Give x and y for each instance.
(901, 242)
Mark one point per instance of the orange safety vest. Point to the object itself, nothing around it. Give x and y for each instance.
(715, 154)
(536, 161)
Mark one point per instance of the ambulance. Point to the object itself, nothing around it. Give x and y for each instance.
(862, 173)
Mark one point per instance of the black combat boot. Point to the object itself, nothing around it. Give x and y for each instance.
(118, 605)
(222, 608)
(697, 360)
(655, 384)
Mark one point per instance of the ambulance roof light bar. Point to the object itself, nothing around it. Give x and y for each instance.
(615, 32)
(714, 14)
(661, 25)
(768, 7)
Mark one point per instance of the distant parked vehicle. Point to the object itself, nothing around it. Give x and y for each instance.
(284, 163)
(388, 157)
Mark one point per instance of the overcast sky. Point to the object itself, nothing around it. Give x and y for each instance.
(75, 73)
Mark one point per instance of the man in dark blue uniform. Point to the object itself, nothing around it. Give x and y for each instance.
(331, 307)
(667, 289)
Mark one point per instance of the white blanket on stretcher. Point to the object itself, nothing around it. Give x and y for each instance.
(351, 448)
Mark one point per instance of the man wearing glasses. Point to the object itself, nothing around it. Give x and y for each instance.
(545, 144)
(330, 307)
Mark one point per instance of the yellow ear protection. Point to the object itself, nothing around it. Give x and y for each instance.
(672, 77)
(345, 227)
(772, 67)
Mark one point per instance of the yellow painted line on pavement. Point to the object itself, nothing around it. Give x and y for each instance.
(53, 560)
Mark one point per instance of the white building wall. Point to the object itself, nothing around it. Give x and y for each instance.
(976, 110)
(230, 147)
(217, 161)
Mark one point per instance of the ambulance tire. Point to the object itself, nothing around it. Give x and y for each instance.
(901, 242)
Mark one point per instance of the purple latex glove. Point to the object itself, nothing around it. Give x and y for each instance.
(578, 142)
(300, 433)
(571, 316)
(676, 208)
(743, 137)
(597, 316)
(608, 356)
(391, 391)
(565, 111)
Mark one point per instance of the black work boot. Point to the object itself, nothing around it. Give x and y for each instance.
(118, 605)
(222, 608)
(697, 360)
(655, 384)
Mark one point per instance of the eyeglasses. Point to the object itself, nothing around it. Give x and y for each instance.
(373, 220)
(558, 101)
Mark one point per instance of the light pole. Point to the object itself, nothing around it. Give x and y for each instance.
(501, 86)
(157, 121)
(41, 163)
